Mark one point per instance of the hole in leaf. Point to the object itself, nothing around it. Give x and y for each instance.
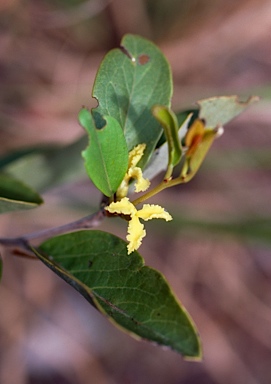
(143, 59)
(99, 120)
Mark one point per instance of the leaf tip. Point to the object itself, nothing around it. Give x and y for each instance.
(251, 99)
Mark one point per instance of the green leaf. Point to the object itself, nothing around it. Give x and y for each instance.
(135, 297)
(106, 157)
(129, 82)
(15, 195)
(169, 122)
(217, 111)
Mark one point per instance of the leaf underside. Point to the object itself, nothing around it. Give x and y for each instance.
(217, 111)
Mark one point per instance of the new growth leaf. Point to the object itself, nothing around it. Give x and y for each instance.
(106, 157)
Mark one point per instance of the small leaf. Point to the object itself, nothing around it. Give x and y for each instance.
(129, 82)
(135, 297)
(106, 157)
(217, 111)
(169, 123)
(15, 195)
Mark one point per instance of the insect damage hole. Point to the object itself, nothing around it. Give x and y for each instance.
(143, 59)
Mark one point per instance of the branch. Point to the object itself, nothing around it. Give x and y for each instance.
(86, 222)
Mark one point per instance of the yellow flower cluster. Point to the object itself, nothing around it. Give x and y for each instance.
(136, 231)
(134, 173)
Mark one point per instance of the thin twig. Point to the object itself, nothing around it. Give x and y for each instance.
(86, 222)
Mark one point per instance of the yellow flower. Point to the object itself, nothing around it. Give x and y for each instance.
(134, 172)
(136, 230)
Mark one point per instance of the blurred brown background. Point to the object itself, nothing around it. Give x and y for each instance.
(216, 252)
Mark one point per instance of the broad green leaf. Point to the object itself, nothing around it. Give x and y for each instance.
(129, 82)
(217, 111)
(15, 195)
(135, 297)
(106, 157)
(169, 122)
